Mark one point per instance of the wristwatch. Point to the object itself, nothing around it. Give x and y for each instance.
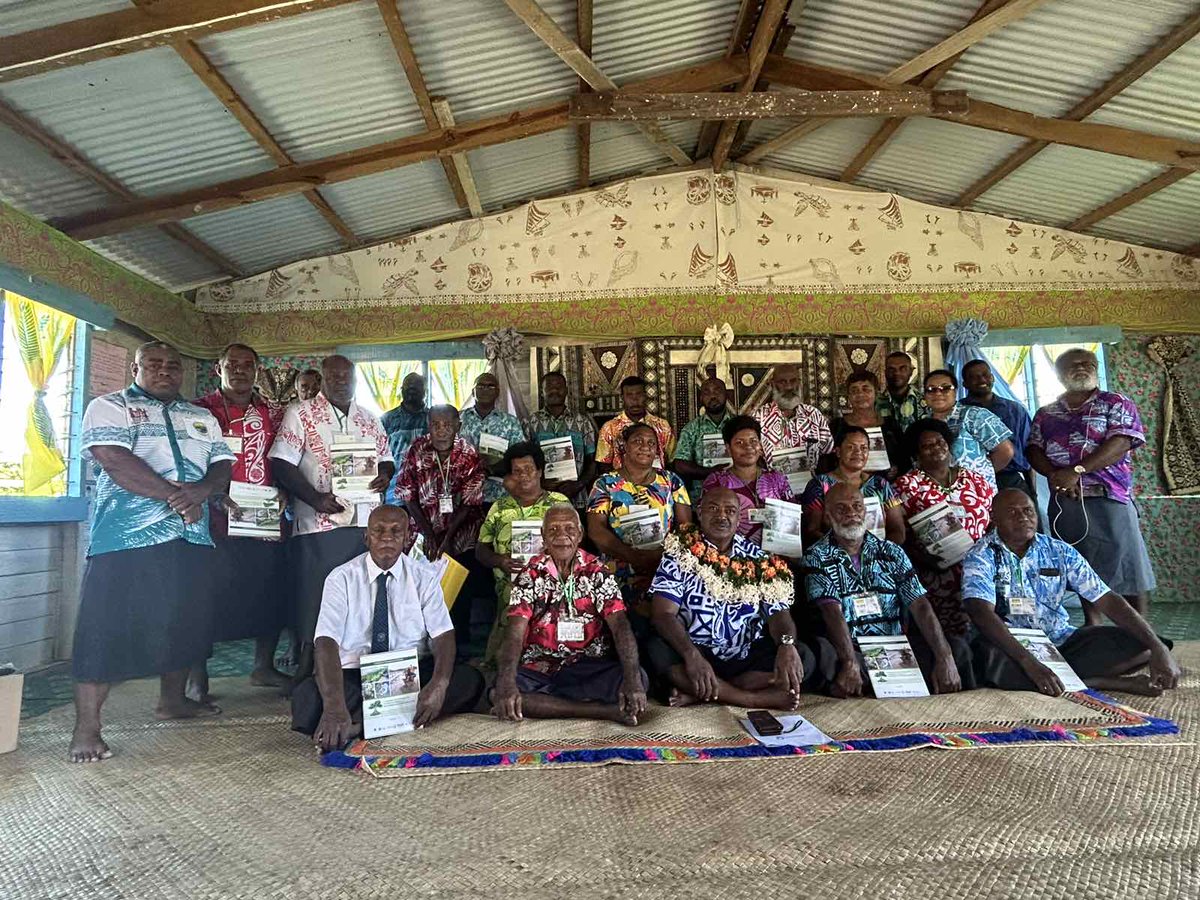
(788, 640)
(1079, 470)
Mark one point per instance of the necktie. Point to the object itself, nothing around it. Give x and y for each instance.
(379, 620)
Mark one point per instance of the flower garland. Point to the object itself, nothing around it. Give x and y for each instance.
(731, 579)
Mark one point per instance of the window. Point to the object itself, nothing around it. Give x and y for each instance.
(42, 366)
(446, 381)
(1029, 370)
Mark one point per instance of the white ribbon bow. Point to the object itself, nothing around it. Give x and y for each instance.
(716, 353)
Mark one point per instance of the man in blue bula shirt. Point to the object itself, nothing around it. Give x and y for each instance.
(977, 378)
(144, 602)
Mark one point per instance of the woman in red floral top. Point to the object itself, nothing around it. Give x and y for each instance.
(969, 495)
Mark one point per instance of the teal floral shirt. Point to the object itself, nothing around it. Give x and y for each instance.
(498, 424)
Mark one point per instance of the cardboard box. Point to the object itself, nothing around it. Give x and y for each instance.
(10, 710)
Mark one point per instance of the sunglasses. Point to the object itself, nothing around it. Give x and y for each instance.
(938, 388)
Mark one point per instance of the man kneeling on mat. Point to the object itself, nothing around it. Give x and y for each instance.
(722, 610)
(565, 615)
(1016, 576)
(378, 602)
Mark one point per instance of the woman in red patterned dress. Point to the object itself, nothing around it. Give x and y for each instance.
(934, 480)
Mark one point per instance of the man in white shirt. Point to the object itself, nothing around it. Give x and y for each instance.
(381, 601)
(787, 423)
(329, 527)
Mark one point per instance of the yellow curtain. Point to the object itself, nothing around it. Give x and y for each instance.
(1009, 361)
(385, 378)
(42, 334)
(1053, 351)
(453, 380)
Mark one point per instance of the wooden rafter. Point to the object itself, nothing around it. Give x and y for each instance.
(769, 21)
(956, 44)
(462, 169)
(432, 144)
(232, 101)
(993, 117)
(743, 27)
(77, 162)
(1139, 193)
(928, 81)
(129, 30)
(541, 24)
(583, 134)
(416, 83)
(733, 107)
(1180, 35)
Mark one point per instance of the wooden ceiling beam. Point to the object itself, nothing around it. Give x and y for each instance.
(78, 163)
(993, 117)
(416, 83)
(944, 52)
(232, 101)
(743, 27)
(732, 107)
(769, 20)
(157, 23)
(433, 144)
(1139, 193)
(929, 81)
(445, 118)
(542, 25)
(1180, 35)
(583, 134)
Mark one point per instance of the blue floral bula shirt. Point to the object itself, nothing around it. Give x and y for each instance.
(884, 571)
(726, 629)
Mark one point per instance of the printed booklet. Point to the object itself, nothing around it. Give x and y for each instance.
(258, 513)
(892, 667)
(1039, 644)
(391, 684)
(781, 527)
(560, 459)
(942, 534)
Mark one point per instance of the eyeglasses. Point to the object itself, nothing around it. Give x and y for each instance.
(938, 388)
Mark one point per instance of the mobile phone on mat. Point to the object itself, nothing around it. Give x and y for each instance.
(765, 723)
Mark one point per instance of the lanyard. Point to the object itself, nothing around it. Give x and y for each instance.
(341, 418)
(568, 594)
(445, 470)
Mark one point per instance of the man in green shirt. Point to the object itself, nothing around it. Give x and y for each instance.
(524, 500)
(691, 459)
(899, 401)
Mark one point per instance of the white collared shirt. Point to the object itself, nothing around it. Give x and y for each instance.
(306, 438)
(417, 612)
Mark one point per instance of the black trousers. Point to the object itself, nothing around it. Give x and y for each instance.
(959, 649)
(466, 686)
(659, 657)
(1092, 651)
(478, 592)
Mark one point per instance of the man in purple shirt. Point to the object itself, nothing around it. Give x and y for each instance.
(1082, 442)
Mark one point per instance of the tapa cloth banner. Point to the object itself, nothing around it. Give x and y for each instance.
(696, 233)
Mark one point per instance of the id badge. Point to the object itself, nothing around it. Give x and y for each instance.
(445, 504)
(1022, 606)
(569, 631)
(233, 443)
(866, 605)
(340, 438)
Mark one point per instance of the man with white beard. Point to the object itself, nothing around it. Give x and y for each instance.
(864, 587)
(786, 422)
(1082, 443)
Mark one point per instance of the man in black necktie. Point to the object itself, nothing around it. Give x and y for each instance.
(378, 602)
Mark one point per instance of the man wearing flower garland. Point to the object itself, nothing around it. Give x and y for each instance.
(865, 586)
(721, 607)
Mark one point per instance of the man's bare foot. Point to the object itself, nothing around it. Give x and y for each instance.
(200, 694)
(615, 714)
(1128, 684)
(87, 746)
(269, 678)
(186, 709)
(679, 699)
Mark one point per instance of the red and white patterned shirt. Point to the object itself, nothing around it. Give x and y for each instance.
(969, 498)
(254, 426)
(424, 480)
(305, 440)
(808, 428)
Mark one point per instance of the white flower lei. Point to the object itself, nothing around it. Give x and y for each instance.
(778, 591)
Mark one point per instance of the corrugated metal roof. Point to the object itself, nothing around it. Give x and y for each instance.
(634, 39)
(321, 83)
(379, 206)
(825, 152)
(874, 36)
(935, 160)
(1170, 218)
(154, 255)
(1050, 59)
(539, 166)
(618, 148)
(1062, 183)
(146, 119)
(1164, 101)
(267, 234)
(17, 16)
(35, 182)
